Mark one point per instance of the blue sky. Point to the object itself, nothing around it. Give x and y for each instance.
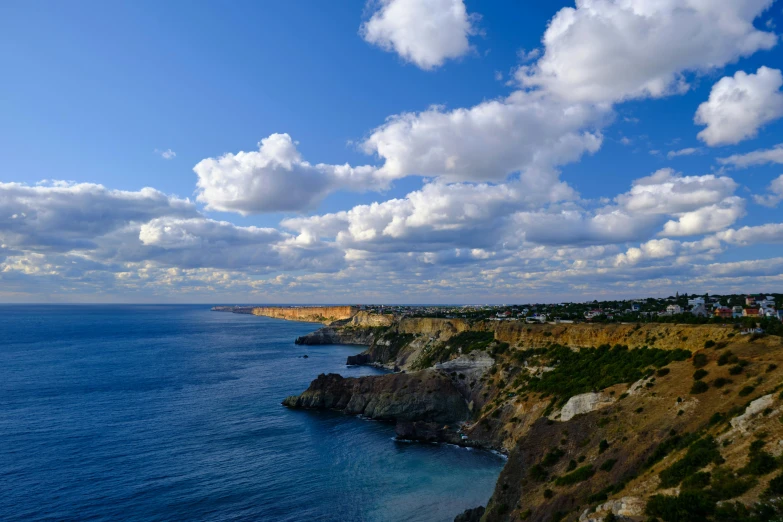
(521, 184)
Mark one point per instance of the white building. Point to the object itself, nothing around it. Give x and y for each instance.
(673, 309)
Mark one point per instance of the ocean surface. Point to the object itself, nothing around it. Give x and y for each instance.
(173, 413)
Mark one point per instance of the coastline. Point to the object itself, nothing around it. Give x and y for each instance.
(480, 385)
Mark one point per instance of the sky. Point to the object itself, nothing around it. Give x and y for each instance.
(390, 151)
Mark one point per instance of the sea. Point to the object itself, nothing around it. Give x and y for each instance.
(115, 412)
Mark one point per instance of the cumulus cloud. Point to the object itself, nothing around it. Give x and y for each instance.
(275, 178)
(653, 249)
(667, 192)
(64, 216)
(577, 227)
(768, 233)
(201, 242)
(757, 157)
(438, 216)
(775, 195)
(613, 50)
(706, 219)
(424, 32)
(487, 142)
(739, 106)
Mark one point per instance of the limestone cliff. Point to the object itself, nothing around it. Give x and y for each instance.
(659, 335)
(591, 431)
(313, 314)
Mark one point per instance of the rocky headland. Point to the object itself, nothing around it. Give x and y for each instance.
(630, 422)
(308, 314)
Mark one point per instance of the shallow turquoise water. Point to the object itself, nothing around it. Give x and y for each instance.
(173, 413)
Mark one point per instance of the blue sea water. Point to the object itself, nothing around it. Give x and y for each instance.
(173, 413)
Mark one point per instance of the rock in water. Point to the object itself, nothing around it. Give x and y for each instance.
(426, 396)
(470, 515)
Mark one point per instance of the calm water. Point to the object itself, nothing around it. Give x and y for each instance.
(173, 413)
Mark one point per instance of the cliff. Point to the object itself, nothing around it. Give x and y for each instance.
(674, 422)
(313, 314)
(424, 405)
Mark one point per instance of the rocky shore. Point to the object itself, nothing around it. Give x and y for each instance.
(599, 422)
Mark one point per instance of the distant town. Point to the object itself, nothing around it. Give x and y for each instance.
(752, 312)
(687, 308)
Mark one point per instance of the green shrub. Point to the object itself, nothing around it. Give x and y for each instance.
(699, 480)
(538, 473)
(548, 493)
(578, 475)
(662, 372)
(709, 344)
(688, 506)
(700, 359)
(571, 465)
(759, 461)
(747, 390)
(552, 457)
(735, 370)
(699, 387)
(727, 358)
(775, 487)
(725, 484)
(720, 382)
(608, 465)
(586, 370)
(700, 453)
(700, 374)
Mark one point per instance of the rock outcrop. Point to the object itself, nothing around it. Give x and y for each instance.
(581, 404)
(426, 396)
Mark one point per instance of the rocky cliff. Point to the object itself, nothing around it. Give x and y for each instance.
(313, 314)
(424, 405)
(600, 422)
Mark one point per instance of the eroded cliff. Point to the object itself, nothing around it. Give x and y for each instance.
(313, 314)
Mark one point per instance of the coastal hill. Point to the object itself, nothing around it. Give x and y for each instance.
(600, 422)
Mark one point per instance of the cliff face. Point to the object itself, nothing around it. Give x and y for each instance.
(664, 336)
(313, 314)
(332, 335)
(426, 396)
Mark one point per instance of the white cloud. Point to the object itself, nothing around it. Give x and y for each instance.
(487, 142)
(653, 249)
(768, 233)
(757, 157)
(276, 178)
(666, 192)
(612, 50)
(424, 32)
(683, 152)
(65, 216)
(775, 195)
(166, 154)
(739, 106)
(707, 219)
